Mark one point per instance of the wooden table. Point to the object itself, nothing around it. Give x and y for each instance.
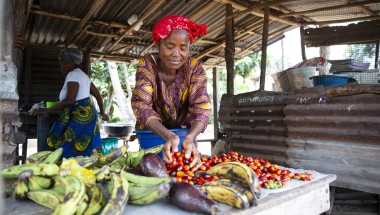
(37, 127)
(311, 198)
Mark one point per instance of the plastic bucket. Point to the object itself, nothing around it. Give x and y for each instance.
(148, 139)
(293, 79)
(109, 143)
(329, 80)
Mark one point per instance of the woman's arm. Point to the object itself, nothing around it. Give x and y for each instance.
(94, 91)
(72, 91)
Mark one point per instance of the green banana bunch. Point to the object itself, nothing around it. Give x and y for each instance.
(47, 198)
(54, 156)
(118, 195)
(86, 161)
(37, 157)
(96, 200)
(74, 192)
(237, 171)
(21, 189)
(252, 199)
(134, 158)
(36, 182)
(82, 205)
(102, 174)
(140, 179)
(225, 194)
(141, 194)
(40, 169)
(109, 158)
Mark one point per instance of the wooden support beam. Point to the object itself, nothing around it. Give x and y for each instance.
(364, 9)
(325, 9)
(264, 44)
(259, 6)
(302, 37)
(95, 7)
(364, 18)
(377, 59)
(230, 49)
(35, 9)
(259, 13)
(152, 7)
(215, 97)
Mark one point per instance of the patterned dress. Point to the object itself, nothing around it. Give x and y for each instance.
(76, 130)
(177, 105)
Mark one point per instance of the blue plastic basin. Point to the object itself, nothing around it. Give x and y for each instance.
(329, 80)
(148, 139)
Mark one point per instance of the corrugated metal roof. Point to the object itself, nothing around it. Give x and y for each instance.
(58, 22)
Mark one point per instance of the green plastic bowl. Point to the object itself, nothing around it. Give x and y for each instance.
(51, 104)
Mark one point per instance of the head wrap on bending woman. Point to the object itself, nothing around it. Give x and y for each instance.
(164, 27)
(71, 55)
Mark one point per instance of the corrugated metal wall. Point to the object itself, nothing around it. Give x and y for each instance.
(338, 135)
(254, 124)
(306, 130)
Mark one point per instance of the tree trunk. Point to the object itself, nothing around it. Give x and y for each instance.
(129, 92)
(121, 102)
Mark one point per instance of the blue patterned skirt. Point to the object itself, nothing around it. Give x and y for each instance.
(76, 130)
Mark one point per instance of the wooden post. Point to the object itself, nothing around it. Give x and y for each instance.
(264, 45)
(215, 97)
(377, 55)
(230, 49)
(302, 35)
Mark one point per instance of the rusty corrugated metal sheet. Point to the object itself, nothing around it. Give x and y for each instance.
(338, 135)
(254, 124)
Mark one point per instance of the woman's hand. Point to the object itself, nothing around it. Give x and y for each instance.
(170, 146)
(189, 145)
(39, 111)
(105, 117)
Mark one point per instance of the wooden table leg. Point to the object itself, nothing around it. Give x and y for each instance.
(42, 132)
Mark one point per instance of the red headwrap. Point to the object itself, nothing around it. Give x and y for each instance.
(163, 27)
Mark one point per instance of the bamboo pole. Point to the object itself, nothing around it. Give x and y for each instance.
(264, 44)
(145, 15)
(246, 49)
(220, 45)
(259, 13)
(60, 16)
(78, 30)
(230, 49)
(325, 9)
(110, 35)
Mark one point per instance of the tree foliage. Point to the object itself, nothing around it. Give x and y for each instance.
(361, 52)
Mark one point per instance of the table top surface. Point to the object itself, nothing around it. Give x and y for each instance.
(163, 207)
